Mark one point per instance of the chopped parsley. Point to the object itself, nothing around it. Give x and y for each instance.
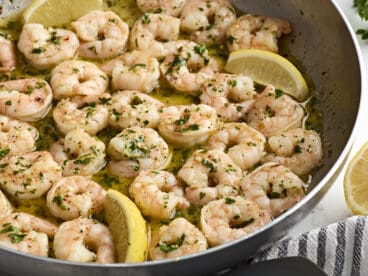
(4, 152)
(136, 101)
(231, 39)
(176, 64)
(275, 195)
(146, 19)
(298, 149)
(269, 111)
(209, 165)
(232, 83)
(85, 160)
(200, 49)
(167, 247)
(38, 50)
(278, 93)
(16, 237)
(7, 227)
(59, 201)
(137, 65)
(183, 120)
(229, 200)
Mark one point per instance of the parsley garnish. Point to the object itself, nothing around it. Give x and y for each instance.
(274, 195)
(231, 39)
(38, 50)
(146, 19)
(59, 201)
(4, 152)
(229, 200)
(278, 93)
(167, 247)
(362, 8)
(137, 65)
(16, 238)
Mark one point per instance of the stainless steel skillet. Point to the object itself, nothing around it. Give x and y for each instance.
(327, 48)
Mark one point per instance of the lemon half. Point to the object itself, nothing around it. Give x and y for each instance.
(265, 67)
(127, 226)
(356, 182)
(58, 12)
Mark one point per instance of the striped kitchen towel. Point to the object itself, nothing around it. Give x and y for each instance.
(339, 249)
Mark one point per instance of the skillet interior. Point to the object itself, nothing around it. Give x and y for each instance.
(325, 47)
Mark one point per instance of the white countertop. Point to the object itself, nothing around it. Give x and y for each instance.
(332, 207)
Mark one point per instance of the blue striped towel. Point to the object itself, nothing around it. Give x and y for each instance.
(339, 249)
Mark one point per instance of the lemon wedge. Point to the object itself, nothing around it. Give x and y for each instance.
(356, 184)
(265, 67)
(127, 226)
(58, 12)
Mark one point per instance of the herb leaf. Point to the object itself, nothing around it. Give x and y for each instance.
(4, 152)
(16, 237)
(229, 200)
(362, 7)
(363, 33)
(167, 247)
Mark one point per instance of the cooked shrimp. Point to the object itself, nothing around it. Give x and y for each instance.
(8, 59)
(132, 108)
(137, 149)
(5, 206)
(298, 149)
(209, 176)
(244, 144)
(28, 175)
(84, 240)
(188, 67)
(256, 32)
(273, 187)
(16, 136)
(102, 34)
(156, 34)
(207, 21)
(75, 196)
(44, 48)
(175, 240)
(230, 95)
(170, 7)
(158, 194)
(78, 79)
(187, 125)
(25, 99)
(134, 70)
(79, 153)
(26, 233)
(274, 112)
(92, 118)
(230, 218)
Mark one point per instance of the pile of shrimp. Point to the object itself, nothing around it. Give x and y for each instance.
(250, 150)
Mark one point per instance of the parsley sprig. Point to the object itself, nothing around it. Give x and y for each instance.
(362, 8)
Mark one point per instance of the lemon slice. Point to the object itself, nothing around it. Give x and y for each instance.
(127, 226)
(356, 184)
(58, 12)
(265, 67)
